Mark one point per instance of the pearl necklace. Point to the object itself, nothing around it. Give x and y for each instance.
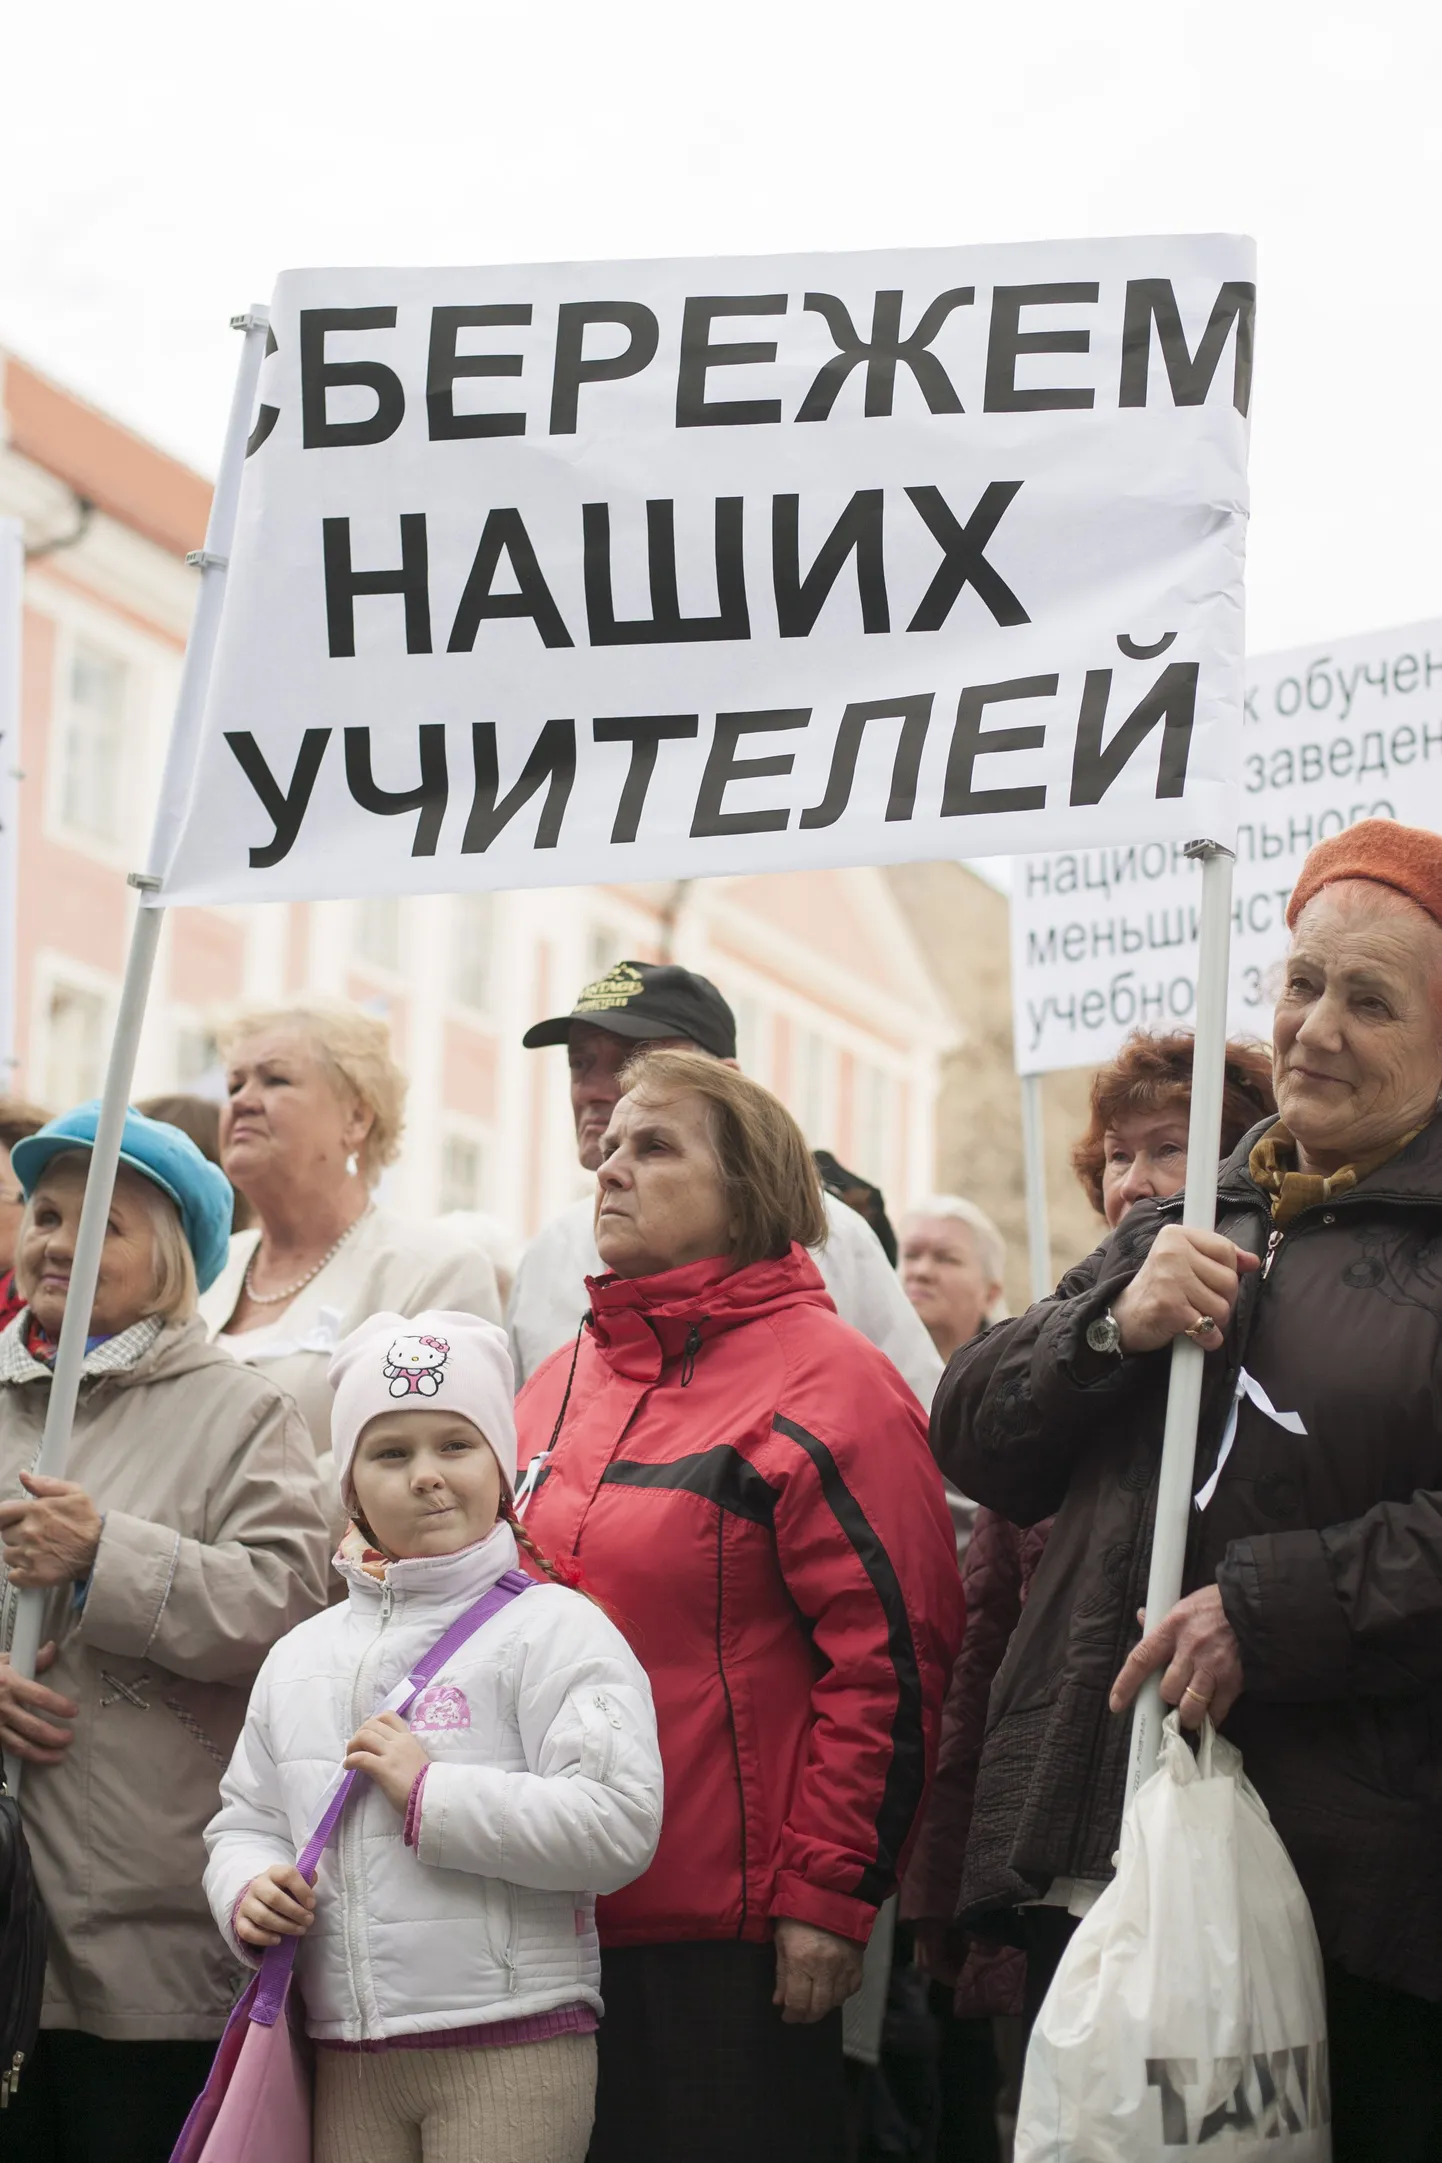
(276, 1299)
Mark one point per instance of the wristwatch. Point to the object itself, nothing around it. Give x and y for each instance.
(1105, 1335)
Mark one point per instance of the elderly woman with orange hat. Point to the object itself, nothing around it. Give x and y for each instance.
(1311, 1626)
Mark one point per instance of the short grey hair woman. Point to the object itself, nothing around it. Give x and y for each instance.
(952, 1260)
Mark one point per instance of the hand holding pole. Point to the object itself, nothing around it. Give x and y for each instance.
(1199, 1211)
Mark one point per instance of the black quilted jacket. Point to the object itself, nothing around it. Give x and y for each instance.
(1327, 1547)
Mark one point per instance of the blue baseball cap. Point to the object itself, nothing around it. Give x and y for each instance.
(198, 1188)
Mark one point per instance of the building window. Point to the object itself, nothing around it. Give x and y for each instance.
(74, 1046)
(473, 925)
(92, 746)
(197, 1059)
(377, 931)
(813, 1090)
(750, 1055)
(604, 947)
(461, 1169)
(875, 1125)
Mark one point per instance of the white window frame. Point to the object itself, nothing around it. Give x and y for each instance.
(55, 971)
(77, 625)
(454, 919)
(608, 938)
(392, 972)
(804, 1034)
(476, 1134)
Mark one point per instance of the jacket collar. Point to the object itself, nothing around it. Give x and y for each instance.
(111, 1355)
(641, 1324)
(1413, 1175)
(444, 1584)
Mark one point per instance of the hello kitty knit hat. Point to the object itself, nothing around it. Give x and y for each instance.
(421, 1363)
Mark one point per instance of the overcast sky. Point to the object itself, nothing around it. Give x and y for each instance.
(159, 164)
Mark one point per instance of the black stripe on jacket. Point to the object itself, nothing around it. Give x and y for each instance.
(906, 1774)
(720, 1475)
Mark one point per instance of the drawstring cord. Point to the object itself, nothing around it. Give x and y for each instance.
(570, 1378)
(536, 1467)
(538, 1463)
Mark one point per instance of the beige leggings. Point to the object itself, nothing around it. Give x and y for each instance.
(520, 2103)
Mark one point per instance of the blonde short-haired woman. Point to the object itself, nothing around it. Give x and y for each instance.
(314, 1110)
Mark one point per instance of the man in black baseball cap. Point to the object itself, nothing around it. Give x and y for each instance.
(636, 1002)
(647, 1002)
(642, 1002)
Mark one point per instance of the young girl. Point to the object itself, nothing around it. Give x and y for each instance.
(449, 1964)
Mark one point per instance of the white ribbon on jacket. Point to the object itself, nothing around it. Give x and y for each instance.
(1249, 1387)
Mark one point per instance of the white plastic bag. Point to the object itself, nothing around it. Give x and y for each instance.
(1188, 2009)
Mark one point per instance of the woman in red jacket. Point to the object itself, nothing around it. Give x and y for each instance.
(745, 1483)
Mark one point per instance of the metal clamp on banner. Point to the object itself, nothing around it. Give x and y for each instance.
(201, 559)
(253, 319)
(1199, 851)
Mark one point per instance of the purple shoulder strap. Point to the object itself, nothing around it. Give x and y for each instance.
(277, 1961)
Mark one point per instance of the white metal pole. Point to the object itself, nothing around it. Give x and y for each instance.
(1199, 1213)
(140, 964)
(1033, 1150)
(12, 616)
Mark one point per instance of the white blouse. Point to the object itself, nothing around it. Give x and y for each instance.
(389, 1264)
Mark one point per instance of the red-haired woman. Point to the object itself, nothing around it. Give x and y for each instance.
(1134, 1148)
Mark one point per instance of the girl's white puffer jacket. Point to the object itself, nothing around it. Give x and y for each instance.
(544, 1789)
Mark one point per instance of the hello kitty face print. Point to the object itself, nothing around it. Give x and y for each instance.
(438, 1358)
(413, 1365)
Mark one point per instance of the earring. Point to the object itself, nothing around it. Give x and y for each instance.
(352, 1165)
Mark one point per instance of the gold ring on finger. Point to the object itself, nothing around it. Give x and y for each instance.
(1192, 1691)
(1202, 1327)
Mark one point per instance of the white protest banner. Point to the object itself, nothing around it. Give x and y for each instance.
(1104, 941)
(586, 572)
(12, 610)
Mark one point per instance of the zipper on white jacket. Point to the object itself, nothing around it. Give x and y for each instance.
(349, 1825)
(513, 1931)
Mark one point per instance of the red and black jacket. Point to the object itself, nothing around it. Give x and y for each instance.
(745, 1482)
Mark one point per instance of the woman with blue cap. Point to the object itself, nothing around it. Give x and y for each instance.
(187, 1537)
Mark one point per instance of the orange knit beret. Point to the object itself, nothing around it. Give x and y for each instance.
(1406, 858)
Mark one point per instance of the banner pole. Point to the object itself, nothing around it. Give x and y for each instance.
(139, 968)
(11, 632)
(1199, 1213)
(12, 618)
(1033, 1154)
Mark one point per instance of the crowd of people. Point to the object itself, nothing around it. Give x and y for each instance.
(667, 1680)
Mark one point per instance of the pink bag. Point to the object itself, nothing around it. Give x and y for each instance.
(255, 2106)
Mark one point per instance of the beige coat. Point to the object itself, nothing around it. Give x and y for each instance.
(214, 1545)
